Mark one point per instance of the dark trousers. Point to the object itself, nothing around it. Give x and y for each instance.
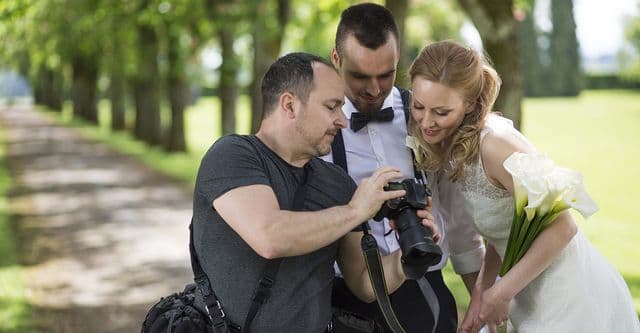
(408, 303)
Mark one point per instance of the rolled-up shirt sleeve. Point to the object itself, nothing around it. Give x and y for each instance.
(466, 246)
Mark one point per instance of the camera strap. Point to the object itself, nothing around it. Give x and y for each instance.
(263, 289)
(376, 275)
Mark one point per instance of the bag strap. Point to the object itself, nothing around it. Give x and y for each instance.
(214, 308)
(263, 290)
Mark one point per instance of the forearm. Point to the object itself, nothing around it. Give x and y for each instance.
(469, 280)
(488, 272)
(354, 269)
(289, 233)
(544, 249)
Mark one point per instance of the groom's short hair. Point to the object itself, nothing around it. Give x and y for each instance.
(369, 23)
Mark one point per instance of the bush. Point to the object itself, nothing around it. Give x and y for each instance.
(611, 81)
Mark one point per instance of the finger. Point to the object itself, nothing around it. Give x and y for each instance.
(477, 324)
(383, 170)
(424, 214)
(388, 176)
(388, 195)
(467, 322)
(492, 328)
(392, 224)
(431, 226)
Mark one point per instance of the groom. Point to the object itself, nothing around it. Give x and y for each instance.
(366, 55)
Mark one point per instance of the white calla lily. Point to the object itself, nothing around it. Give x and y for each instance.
(542, 191)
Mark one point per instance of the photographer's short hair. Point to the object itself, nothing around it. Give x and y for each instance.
(292, 72)
(369, 23)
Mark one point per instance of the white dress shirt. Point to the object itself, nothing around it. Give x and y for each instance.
(383, 144)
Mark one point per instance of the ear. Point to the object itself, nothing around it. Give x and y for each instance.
(286, 104)
(335, 59)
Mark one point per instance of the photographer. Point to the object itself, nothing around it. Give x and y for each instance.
(243, 204)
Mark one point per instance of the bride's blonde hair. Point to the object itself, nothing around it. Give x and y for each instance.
(470, 74)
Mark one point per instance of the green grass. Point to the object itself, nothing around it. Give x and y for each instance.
(14, 308)
(596, 133)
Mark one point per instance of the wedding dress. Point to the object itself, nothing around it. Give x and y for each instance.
(579, 292)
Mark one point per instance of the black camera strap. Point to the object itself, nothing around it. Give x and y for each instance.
(372, 257)
(376, 275)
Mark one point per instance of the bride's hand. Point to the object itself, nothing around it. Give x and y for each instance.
(494, 309)
(472, 312)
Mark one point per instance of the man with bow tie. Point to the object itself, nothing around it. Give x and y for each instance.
(366, 55)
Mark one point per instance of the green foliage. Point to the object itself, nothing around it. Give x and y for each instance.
(612, 81)
(14, 308)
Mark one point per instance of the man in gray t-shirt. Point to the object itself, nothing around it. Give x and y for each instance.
(243, 204)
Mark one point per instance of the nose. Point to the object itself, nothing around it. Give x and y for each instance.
(427, 120)
(373, 87)
(342, 120)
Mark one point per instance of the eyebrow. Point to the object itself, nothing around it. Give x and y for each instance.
(365, 75)
(335, 102)
(439, 107)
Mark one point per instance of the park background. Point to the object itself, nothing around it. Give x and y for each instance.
(161, 80)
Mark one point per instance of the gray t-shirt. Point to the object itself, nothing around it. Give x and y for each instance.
(300, 298)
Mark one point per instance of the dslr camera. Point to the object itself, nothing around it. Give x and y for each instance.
(416, 241)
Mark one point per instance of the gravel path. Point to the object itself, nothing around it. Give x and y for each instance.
(101, 237)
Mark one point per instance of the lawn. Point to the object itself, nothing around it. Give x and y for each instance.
(596, 133)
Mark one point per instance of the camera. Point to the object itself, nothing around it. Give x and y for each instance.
(416, 241)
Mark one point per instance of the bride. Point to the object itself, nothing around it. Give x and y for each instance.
(562, 284)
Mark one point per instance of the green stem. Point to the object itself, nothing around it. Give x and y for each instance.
(516, 225)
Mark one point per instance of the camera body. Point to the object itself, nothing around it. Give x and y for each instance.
(416, 241)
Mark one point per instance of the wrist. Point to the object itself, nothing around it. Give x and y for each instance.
(500, 292)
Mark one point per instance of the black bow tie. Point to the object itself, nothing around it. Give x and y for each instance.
(360, 119)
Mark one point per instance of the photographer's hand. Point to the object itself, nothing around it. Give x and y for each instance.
(428, 221)
(370, 194)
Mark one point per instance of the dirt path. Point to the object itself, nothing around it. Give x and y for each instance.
(101, 237)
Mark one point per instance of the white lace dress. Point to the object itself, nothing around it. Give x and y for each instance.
(579, 292)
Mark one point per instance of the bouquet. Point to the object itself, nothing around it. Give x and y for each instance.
(542, 191)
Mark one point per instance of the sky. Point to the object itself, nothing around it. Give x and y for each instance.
(599, 25)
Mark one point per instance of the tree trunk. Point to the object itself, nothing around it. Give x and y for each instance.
(147, 88)
(228, 87)
(498, 30)
(565, 73)
(266, 48)
(399, 10)
(117, 96)
(532, 69)
(51, 90)
(84, 87)
(178, 91)
(117, 89)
